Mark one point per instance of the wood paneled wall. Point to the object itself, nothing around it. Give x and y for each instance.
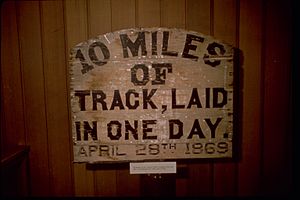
(36, 37)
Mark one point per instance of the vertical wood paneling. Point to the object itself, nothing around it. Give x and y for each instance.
(12, 123)
(200, 173)
(99, 22)
(123, 14)
(55, 74)
(148, 13)
(99, 17)
(250, 43)
(105, 182)
(173, 13)
(127, 185)
(14, 178)
(182, 182)
(200, 179)
(36, 37)
(225, 21)
(76, 32)
(276, 158)
(75, 22)
(34, 95)
(198, 15)
(225, 28)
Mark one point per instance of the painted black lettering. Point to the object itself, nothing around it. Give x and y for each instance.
(117, 101)
(114, 126)
(160, 72)
(189, 46)
(154, 149)
(147, 130)
(140, 150)
(133, 130)
(99, 97)
(136, 102)
(197, 148)
(179, 125)
(207, 96)
(223, 147)
(82, 151)
(93, 56)
(194, 100)
(89, 131)
(196, 130)
(212, 51)
(85, 67)
(154, 43)
(134, 78)
(147, 98)
(165, 45)
(212, 126)
(172, 146)
(78, 133)
(174, 103)
(209, 148)
(81, 94)
(119, 153)
(216, 92)
(133, 46)
(103, 150)
(92, 148)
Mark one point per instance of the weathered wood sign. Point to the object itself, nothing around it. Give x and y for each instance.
(151, 94)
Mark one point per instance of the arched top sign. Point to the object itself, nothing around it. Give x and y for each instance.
(151, 94)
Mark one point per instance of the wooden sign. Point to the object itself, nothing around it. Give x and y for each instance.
(151, 94)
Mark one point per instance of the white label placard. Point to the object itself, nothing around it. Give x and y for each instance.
(153, 168)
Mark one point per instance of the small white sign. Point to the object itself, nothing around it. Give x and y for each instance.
(153, 168)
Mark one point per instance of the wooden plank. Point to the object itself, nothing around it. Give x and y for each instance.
(225, 24)
(56, 92)
(200, 179)
(99, 17)
(99, 22)
(250, 43)
(105, 182)
(127, 184)
(158, 185)
(198, 16)
(225, 28)
(75, 22)
(173, 13)
(277, 166)
(33, 77)
(123, 14)
(200, 174)
(148, 13)
(83, 181)
(14, 177)
(119, 74)
(76, 29)
(12, 114)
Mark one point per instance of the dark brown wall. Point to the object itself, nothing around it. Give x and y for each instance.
(35, 40)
